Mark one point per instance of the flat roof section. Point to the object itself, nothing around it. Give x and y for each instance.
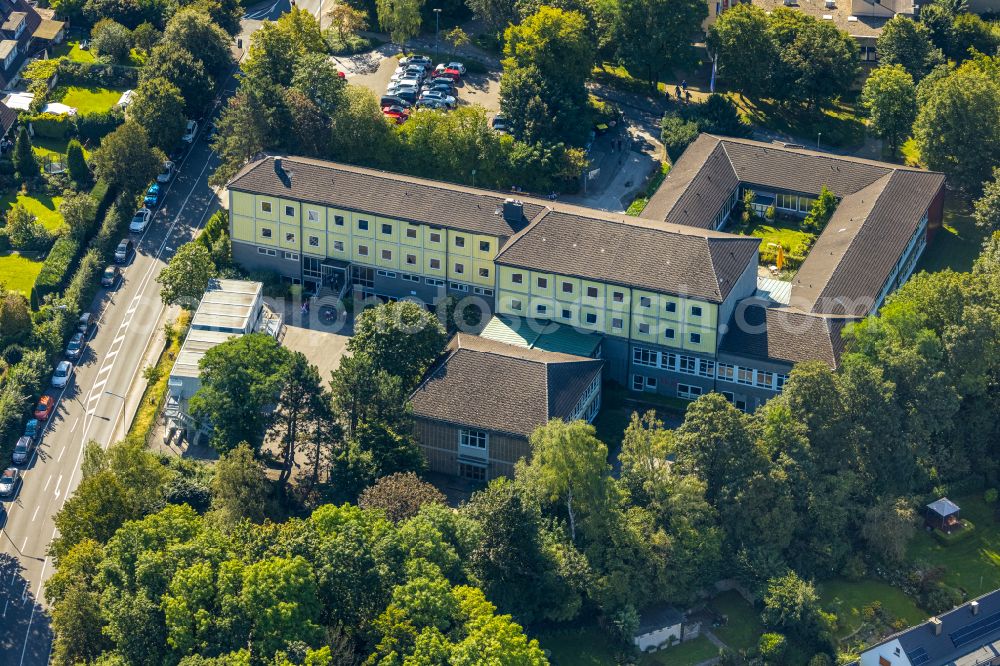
(227, 304)
(547, 336)
(195, 345)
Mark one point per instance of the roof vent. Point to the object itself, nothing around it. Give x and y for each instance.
(831, 4)
(513, 211)
(936, 625)
(974, 607)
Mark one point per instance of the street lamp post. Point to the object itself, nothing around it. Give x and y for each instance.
(122, 398)
(818, 135)
(437, 32)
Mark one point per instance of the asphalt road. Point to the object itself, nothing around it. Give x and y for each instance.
(96, 405)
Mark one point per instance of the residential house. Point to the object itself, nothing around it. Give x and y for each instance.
(23, 32)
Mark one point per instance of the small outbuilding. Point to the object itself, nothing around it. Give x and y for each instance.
(659, 626)
(942, 514)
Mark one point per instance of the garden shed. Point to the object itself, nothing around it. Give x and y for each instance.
(658, 625)
(942, 514)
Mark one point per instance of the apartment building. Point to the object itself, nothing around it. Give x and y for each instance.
(670, 302)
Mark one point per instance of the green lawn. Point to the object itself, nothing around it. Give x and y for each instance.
(90, 100)
(71, 50)
(18, 272)
(972, 565)
(45, 147)
(688, 653)
(42, 206)
(743, 628)
(957, 243)
(586, 646)
(848, 598)
(837, 126)
(788, 234)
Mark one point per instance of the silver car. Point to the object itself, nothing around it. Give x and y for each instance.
(60, 378)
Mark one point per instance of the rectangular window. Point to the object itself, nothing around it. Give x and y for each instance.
(338, 246)
(435, 237)
(668, 333)
(411, 232)
(591, 292)
(459, 241)
(388, 274)
(647, 357)
(618, 324)
(459, 268)
(265, 233)
(387, 229)
(458, 286)
(541, 309)
(644, 328)
(745, 376)
(706, 368)
(645, 301)
(688, 392)
(668, 361)
(728, 395)
(591, 318)
(670, 306)
(289, 237)
(618, 296)
(313, 215)
(411, 260)
(435, 264)
(474, 438)
(688, 364)
(314, 241)
(567, 287)
(566, 314)
(290, 211)
(484, 272)
(363, 225)
(410, 278)
(779, 382)
(543, 283)
(387, 255)
(262, 250)
(643, 383)
(515, 304)
(338, 220)
(725, 372)
(765, 378)
(805, 203)
(484, 246)
(695, 310)
(363, 250)
(516, 278)
(472, 472)
(292, 256)
(265, 206)
(695, 338)
(434, 282)
(482, 291)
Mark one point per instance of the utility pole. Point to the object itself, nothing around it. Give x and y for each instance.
(437, 32)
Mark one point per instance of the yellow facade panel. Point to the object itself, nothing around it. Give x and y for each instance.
(241, 203)
(243, 228)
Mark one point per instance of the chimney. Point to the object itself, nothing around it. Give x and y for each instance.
(936, 625)
(974, 607)
(513, 211)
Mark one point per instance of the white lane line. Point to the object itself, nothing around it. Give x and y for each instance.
(119, 339)
(74, 425)
(59, 459)
(103, 370)
(34, 607)
(47, 482)
(35, 514)
(58, 483)
(23, 546)
(99, 385)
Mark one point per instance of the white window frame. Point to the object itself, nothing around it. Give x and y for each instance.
(265, 207)
(474, 439)
(689, 391)
(313, 241)
(312, 215)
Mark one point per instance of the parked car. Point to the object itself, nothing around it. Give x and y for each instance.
(432, 104)
(445, 88)
(61, 377)
(23, 450)
(450, 73)
(392, 100)
(85, 323)
(457, 66)
(396, 113)
(152, 197)
(438, 95)
(190, 131)
(411, 70)
(499, 123)
(43, 410)
(416, 60)
(8, 481)
(76, 346)
(167, 174)
(397, 90)
(110, 276)
(140, 220)
(124, 251)
(441, 80)
(33, 429)
(211, 130)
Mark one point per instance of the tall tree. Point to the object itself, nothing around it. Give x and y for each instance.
(25, 164)
(889, 97)
(159, 109)
(740, 30)
(111, 39)
(906, 42)
(303, 412)
(362, 393)
(400, 18)
(77, 163)
(240, 487)
(191, 29)
(346, 20)
(401, 338)
(986, 209)
(654, 36)
(184, 279)
(496, 14)
(241, 381)
(79, 211)
(126, 160)
(182, 69)
(568, 466)
(821, 61)
(400, 496)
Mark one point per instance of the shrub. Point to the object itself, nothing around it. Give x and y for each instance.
(968, 528)
(56, 267)
(24, 231)
(677, 134)
(772, 647)
(92, 127)
(718, 115)
(990, 496)
(821, 211)
(77, 163)
(97, 74)
(113, 226)
(103, 196)
(52, 125)
(84, 284)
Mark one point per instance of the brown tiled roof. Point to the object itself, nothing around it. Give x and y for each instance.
(388, 194)
(8, 117)
(783, 334)
(48, 29)
(495, 386)
(696, 187)
(633, 252)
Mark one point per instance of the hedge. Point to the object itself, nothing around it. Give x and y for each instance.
(97, 74)
(92, 127)
(56, 268)
(968, 529)
(52, 125)
(21, 384)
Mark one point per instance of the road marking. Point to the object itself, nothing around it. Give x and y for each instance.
(47, 482)
(120, 338)
(59, 459)
(58, 483)
(35, 514)
(5, 608)
(34, 606)
(103, 370)
(23, 546)
(74, 425)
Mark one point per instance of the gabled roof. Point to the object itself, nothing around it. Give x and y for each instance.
(633, 252)
(493, 386)
(760, 330)
(391, 195)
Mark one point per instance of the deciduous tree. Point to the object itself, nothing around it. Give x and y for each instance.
(111, 39)
(400, 495)
(401, 338)
(126, 160)
(400, 18)
(346, 20)
(654, 36)
(157, 106)
(986, 209)
(889, 97)
(185, 277)
(742, 29)
(906, 42)
(240, 487)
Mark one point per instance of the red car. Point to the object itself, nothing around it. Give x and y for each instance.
(452, 74)
(43, 410)
(396, 113)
